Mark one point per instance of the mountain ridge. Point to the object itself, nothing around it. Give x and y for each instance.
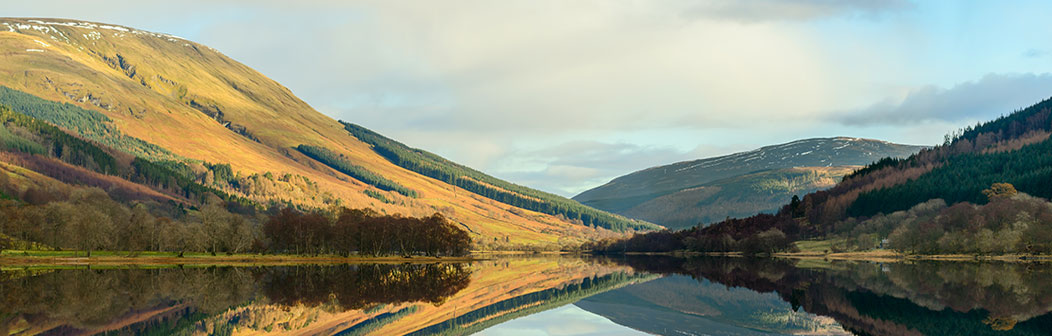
(212, 112)
(633, 194)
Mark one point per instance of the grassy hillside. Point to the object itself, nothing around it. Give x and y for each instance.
(739, 196)
(702, 191)
(199, 115)
(630, 190)
(439, 168)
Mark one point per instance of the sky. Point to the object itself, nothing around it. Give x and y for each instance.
(562, 321)
(566, 95)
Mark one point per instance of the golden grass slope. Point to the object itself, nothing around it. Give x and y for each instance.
(191, 99)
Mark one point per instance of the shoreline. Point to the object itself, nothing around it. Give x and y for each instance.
(884, 256)
(16, 259)
(7, 261)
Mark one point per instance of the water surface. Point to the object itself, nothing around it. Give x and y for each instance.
(536, 296)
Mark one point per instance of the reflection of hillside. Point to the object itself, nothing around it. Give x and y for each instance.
(88, 301)
(210, 300)
(499, 290)
(896, 299)
(676, 304)
(508, 309)
(301, 300)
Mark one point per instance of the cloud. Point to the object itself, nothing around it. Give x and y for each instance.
(1035, 53)
(524, 66)
(986, 98)
(549, 93)
(792, 10)
(573, 167)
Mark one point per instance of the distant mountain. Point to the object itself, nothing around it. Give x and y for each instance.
(983, 191)
(681, 305)
(684, 194)
(178, 120)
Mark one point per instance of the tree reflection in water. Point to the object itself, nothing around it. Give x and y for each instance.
(907, 298)
(173, 300)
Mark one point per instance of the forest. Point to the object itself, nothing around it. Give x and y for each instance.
(341, 164)
(27, 134)
(1009, 223)
(88, 219)
(87, 123)
(961, 174)
(36, 139)
(474, 181)
(35, 130)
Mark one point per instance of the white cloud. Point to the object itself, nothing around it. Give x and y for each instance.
(792, 10)
(570, 168)
(983, 99)
(547, 93)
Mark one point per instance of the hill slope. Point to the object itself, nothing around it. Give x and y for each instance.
(736, 197)
(983, 191)
(179, 104)
(702, 191)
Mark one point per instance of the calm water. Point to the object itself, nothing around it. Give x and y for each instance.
(537, 296)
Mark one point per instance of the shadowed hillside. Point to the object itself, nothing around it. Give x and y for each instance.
(688, 193)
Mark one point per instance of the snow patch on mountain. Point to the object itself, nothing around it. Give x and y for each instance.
(51, 28)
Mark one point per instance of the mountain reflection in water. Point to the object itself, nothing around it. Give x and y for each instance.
(657, 295)
(439, 298)
(865, 298)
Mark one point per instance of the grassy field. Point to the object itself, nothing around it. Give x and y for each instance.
(818, 246)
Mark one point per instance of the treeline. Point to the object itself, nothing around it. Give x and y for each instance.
(21, 133)
(439, 168)
(753, 236)
(961, 178)
(365, 232)
(27, 137)
(165, 178)
(88, 219)
(340, 163)
(89, 124)
(1010, 223)
(27, 134)
(1011, 149)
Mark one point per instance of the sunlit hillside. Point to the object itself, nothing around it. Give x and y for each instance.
(190, 103)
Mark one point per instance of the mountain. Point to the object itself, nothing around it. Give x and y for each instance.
(179, 119)
(686, 193)
(984, 191)
(682, 305)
